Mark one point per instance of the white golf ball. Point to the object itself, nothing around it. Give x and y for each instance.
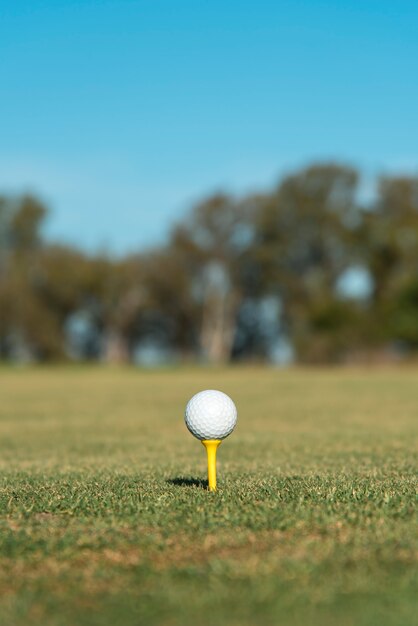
(210, 414)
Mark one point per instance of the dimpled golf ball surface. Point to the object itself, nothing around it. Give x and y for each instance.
(211, 414)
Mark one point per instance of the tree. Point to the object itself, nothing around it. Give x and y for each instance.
(392, 256)
(306, 233)
(25, 320)
(171, 312)
(212, 242)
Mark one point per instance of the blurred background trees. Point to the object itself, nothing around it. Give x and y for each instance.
(304, 272)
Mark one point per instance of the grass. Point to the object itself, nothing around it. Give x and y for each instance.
(104, 518)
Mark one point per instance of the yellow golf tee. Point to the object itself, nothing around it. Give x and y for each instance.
(211, 446)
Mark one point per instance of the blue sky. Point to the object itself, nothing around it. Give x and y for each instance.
(121, 114)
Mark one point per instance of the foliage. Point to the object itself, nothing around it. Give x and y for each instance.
(206, 294)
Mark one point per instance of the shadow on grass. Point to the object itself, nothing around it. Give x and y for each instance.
(185, 481)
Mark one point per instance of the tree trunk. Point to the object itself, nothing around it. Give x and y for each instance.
(116, 349)
(218, 325)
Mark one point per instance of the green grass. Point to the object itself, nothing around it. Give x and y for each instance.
(105, 521)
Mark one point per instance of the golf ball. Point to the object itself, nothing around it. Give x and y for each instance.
(210, 414)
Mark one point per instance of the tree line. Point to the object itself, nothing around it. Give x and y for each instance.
(308, 271)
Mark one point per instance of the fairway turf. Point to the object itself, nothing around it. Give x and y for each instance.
(105, 520)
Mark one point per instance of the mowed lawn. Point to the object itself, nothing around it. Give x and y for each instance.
(105, 519)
